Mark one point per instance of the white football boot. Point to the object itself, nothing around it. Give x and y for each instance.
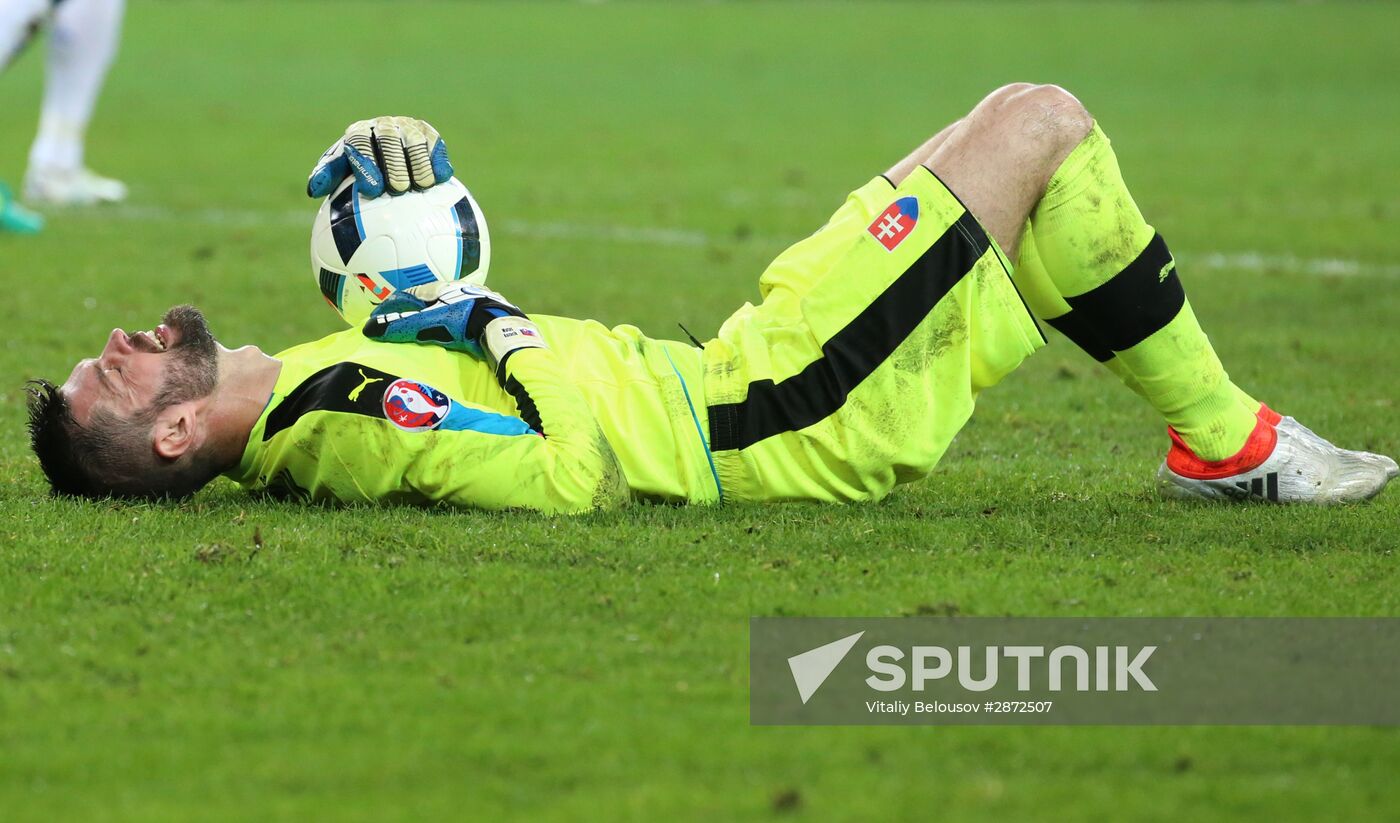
(71, 187)
(1282, 462)
(1292, 426)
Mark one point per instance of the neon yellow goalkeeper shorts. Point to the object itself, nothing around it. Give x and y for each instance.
(873, 340)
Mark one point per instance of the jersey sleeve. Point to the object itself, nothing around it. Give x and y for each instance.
(333, 440)
(355, 432)
(564, 465)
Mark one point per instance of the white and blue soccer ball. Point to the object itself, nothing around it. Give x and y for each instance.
(363, 250)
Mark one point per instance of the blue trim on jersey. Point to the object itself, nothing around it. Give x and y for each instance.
(402, 279)
(466, 418)
(355, 208)
(696, 419)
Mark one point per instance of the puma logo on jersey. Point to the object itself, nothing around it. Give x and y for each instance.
(355, 393)
(1166, 270)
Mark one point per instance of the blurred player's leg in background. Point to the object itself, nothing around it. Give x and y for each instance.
(19, 21)
(16, 219)
(82, 45)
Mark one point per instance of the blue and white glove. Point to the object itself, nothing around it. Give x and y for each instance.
(393, 154)
(456, 316)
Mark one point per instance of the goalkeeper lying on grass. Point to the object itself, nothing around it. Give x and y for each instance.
(874, 337)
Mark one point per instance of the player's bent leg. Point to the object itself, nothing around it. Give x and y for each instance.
(1089, 264)
(1127, 304)
(1095, 270)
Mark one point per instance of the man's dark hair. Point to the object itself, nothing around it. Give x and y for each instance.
(109, 457)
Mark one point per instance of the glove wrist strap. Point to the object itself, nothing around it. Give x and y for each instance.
(505, 336)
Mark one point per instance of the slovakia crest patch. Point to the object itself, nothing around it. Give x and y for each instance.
(896, 222)
(415, 407)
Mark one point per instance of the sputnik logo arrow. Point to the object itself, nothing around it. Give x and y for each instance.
(811, 668)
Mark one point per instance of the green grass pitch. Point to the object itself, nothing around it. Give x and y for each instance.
(231, 659)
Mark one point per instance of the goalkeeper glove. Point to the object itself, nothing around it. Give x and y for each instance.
(391, 154)
(456, 316)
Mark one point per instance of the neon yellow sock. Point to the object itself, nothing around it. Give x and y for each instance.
(1248, 401)
(1125, 305)
(1046, 303)
(1183, 379)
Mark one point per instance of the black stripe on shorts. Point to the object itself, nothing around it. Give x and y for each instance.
(855, 351)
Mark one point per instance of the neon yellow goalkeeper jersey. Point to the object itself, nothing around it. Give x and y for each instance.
(873, 340)
(601, 417)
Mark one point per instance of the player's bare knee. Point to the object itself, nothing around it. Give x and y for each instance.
(1050, 115)
(1000, 97)
(1041, 110)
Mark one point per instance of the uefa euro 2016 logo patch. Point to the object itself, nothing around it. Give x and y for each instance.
(415, 407)
(896, 222)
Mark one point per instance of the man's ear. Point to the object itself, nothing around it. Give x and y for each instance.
(176, 430)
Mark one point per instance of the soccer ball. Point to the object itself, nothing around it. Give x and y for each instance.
(363, 250)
